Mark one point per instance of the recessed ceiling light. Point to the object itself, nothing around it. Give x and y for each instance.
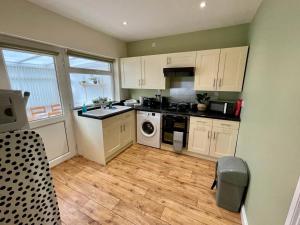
(125, 23)
(203, 4)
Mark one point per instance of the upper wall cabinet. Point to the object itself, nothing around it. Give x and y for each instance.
(232, 69)
(153, 76)
(221, 70)
(207, 66)
(131, 72)
(143, 72)
(216, 70)
(181, 59)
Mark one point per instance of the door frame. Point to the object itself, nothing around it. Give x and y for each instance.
(64, 87)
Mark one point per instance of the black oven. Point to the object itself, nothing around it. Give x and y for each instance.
(171, 123)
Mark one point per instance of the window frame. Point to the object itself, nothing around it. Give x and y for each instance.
(76, 70)
(56, 67)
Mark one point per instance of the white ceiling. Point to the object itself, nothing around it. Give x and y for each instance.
(153, 18)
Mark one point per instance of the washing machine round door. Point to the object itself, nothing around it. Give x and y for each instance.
(148, 129)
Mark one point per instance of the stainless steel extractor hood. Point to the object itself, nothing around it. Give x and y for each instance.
(179, 72)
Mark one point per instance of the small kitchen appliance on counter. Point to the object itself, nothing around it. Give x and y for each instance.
(151, 102)
(225, 107)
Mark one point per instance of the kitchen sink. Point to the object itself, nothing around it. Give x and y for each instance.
(106, 111)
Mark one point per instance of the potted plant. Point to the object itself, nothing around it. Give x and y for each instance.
(203, 100)
(94, 80)
(100, 101)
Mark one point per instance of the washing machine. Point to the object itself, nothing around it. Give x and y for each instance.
(148, 128)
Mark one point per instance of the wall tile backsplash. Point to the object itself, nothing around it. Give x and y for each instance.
(181, 89)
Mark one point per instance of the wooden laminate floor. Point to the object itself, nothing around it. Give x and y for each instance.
(142, 185)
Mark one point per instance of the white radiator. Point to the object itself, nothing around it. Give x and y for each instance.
(293, 217)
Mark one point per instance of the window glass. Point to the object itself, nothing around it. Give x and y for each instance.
(35, 73)
(86, 87)
(84, 63)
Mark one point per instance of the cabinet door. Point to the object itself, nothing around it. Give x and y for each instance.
(232, 68)
(112, 137)
(181, 59)
(127, 130)
(131, 72)
(199, 139)
(223, 142)
(207, 66)
(153, 76)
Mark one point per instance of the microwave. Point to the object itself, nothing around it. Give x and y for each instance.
(225, 107)
(12, 110)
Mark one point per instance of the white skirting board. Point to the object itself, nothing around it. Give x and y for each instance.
(293, 217)
(244, 216)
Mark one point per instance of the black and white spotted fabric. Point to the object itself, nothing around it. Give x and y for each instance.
(26, 190)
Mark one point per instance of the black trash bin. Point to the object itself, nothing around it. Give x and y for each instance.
(231, 181)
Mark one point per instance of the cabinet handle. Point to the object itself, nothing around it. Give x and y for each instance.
(124, 127)
(121, 128)
(214, 135)
(214, 83)
(139, 82)
(220, 82)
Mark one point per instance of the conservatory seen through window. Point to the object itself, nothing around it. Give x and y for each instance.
(91, 80)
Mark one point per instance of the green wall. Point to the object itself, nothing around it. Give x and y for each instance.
(200, 40)
(269, 138)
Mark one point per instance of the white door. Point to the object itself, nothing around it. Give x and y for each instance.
(48, 109)
(232, 69)
(199, 139)
(207, 66)
(223, 142)
(181, 59)
(153, 76)
(131, 72)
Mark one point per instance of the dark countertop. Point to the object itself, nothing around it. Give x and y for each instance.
(206, 114)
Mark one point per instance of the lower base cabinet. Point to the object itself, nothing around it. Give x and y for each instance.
(102, 140)
(117, 133)
(212, 138)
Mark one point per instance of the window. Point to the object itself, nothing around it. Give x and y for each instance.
(90, 79)
(36, 73)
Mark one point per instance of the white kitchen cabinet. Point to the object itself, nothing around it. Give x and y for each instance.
(199, 138)
(153, 76)
(221, 69)
(216, 70)
(207, 66)
(127, 124)
(181, 59)
(112, 129)
(131, 72)
(232, 69)
(143, 72)
(212, 138)
(223, 142)
(102, 140)
(117, 132)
